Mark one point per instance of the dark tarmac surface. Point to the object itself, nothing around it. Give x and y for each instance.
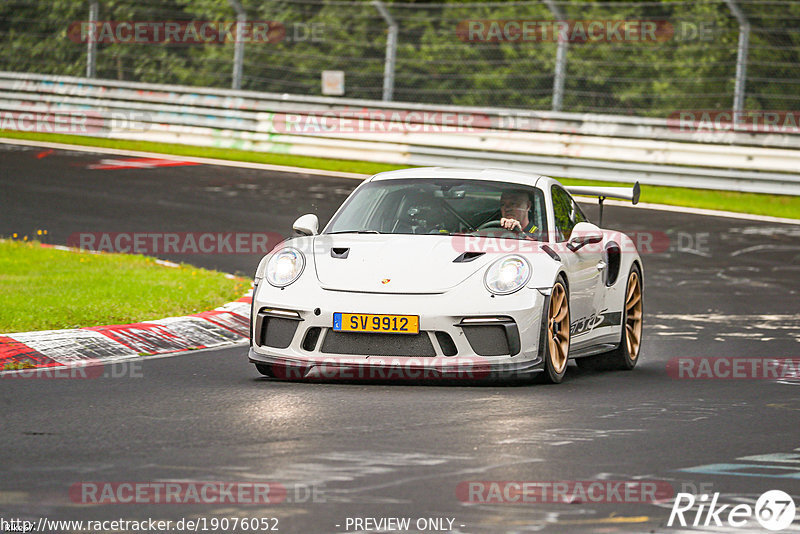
(721, 288)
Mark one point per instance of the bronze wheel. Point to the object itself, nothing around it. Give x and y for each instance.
(633, 315)
(557, 352)
(626, 354)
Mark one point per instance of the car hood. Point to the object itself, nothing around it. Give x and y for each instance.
(393, 263)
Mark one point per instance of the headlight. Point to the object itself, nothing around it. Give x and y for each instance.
(285, 267)
(507, 275)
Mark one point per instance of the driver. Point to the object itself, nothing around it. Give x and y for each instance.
(515, 207)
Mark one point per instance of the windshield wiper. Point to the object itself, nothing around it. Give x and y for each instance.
(355, 232)
(507, 234)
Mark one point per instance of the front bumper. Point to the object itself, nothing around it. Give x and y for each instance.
(482, 336)
(396, 368)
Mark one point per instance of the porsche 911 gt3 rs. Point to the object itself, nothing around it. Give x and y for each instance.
(419, 275)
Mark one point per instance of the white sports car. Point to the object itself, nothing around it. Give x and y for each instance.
(450, 273)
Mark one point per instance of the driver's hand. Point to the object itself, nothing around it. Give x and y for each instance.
(510, 224)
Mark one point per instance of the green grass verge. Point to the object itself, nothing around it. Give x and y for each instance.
(775, 205)
(43, 288)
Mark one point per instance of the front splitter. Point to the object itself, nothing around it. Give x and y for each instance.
(440, 368)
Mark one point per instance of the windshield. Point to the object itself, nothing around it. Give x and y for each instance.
(446, 207)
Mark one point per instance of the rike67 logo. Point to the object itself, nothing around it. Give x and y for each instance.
(774, 510)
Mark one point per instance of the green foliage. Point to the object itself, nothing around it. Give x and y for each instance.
(690, 69)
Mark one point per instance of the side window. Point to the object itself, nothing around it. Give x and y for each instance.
(579, 216)
(540, 214)
(566, 213)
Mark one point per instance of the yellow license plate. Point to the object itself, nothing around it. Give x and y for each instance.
(378, 324)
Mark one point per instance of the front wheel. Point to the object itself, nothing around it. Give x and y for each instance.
(625, 356)
(557, 348)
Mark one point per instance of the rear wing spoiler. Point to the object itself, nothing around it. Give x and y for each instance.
(622, 193)
(602, 193)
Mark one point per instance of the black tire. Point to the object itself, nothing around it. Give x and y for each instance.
(620, 358)
(556, 356)
(265, 369)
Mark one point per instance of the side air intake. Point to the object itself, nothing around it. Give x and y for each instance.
(468, 256)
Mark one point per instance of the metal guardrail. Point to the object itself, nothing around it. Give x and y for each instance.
(599, 147)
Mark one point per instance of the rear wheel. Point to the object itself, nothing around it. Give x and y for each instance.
(557, 348)
(625, 356)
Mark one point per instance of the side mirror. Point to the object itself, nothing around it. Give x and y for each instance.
(583, 234)
(306, 225)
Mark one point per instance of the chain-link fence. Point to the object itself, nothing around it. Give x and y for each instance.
(643, 58)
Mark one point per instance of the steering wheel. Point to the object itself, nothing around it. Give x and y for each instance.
(490, 224)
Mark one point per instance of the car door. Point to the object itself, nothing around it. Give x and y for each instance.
(585, 279)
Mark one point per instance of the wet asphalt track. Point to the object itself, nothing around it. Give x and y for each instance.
(725, 288)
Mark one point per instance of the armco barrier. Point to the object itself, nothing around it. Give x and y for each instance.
(600, 147)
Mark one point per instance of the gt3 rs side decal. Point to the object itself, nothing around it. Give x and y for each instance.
(584, 325)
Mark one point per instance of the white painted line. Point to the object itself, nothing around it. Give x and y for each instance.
(339, 174)
(166, 263)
